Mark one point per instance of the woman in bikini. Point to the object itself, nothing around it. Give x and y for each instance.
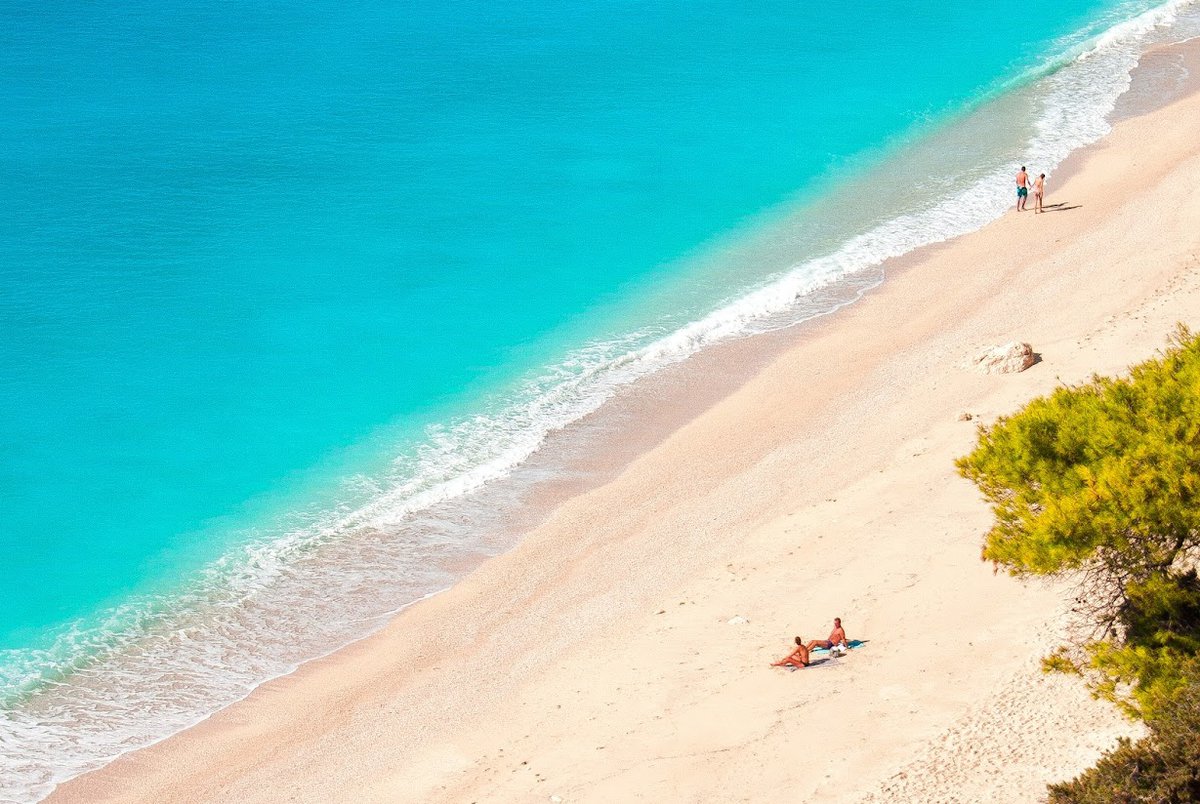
(797, 658)
(1039, 189)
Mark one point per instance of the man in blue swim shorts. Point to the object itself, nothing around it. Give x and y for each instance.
(1022, 188)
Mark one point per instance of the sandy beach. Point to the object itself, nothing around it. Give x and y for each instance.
(621, 651)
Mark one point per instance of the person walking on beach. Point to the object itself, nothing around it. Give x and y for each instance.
(1022, 188)
(1039, 190)
(797, 658)
(836, 637)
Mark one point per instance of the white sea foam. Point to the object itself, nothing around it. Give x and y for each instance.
(257, 613)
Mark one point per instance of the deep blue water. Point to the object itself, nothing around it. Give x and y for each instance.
(250, 249)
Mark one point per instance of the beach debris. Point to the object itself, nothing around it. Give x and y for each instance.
(556, 799)
(965, 417)
(737, 619)
(1008, 358)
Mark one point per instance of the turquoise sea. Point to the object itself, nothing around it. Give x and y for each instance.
(283, 283)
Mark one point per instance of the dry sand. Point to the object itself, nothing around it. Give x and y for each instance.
(596, 661)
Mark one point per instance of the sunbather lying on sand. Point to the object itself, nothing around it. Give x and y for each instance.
(797, 658)
(836, 637)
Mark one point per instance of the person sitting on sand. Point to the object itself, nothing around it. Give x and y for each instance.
(797, 658)
(836, 637)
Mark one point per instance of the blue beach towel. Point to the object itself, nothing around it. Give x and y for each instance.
(854, 643)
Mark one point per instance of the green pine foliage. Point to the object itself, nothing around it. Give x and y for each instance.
(1163, 767)
(1108, 471)
(1101, 483)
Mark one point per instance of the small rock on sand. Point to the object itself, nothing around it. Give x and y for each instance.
(1008, 358)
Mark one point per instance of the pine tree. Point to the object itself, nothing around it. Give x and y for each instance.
(1102, 482)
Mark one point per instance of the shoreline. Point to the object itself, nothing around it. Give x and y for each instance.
(351, 682)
